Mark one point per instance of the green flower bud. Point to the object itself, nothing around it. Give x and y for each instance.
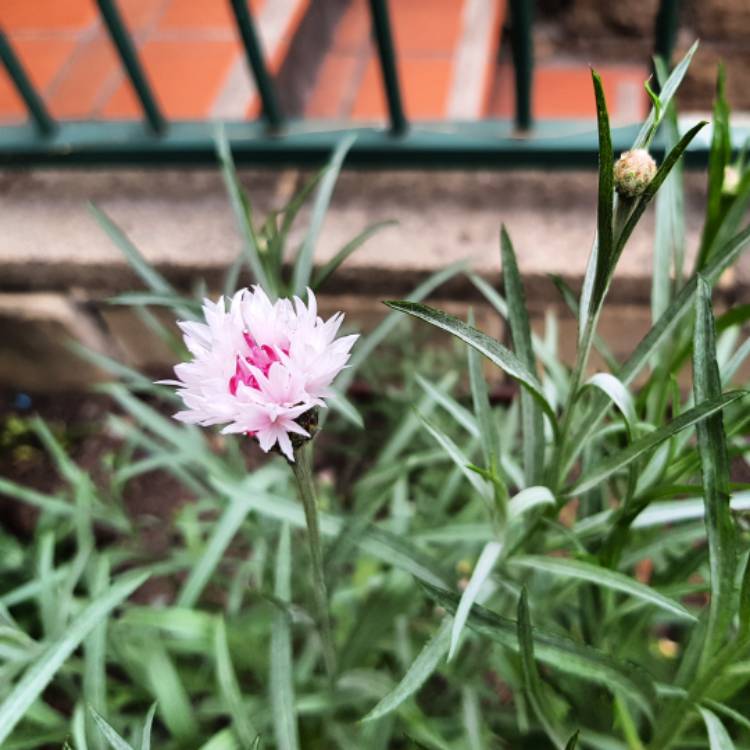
(634, 170)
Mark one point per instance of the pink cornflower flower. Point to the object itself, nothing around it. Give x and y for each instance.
(258, 366)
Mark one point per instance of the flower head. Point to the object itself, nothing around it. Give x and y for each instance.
(259, 366)
(634, 170)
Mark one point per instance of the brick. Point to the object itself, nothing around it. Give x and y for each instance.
(42, 59)
(93, 64)
(565, 91)
(26, 15)
(426, 27)
(186, 76)
(424, 84)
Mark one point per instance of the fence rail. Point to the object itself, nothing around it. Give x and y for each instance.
(274, 139)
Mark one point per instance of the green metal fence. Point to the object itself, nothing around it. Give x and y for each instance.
(274, 139)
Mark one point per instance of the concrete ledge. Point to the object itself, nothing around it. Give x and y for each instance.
(57, 267)
(182, 222)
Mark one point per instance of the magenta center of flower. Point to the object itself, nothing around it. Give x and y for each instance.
(260, 357)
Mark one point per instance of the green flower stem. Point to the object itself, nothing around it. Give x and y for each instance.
(302, 468)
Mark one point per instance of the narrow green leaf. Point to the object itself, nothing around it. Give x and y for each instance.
(282, 677)
(222, 533)
(169, 690)
(229, 688)
(438, 395)
(484, 344)
(222, 740)
(95, 647)
(532, 419)
(472, 718)
(668, 90)
(480, 574)
(715, 475)
(113, 739)
(619, 395)
(572, 743)
(459, 459)
(529, 498)
(560, 653)
(322, 275)
(622, 458)
(341, 404)
(303, 263)
(150, 276)
(719, 156)
(242, 215)
(605, 257)
(669, 241)
(532, 681)
(718, 737)
(147, 728)
(417, 674)
(600, 576)
(40, 673)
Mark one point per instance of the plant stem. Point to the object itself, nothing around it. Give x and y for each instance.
(302, 468)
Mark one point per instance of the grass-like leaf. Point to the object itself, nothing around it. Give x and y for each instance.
(484, 344)
(303, 263)
(40, 673)
(532, 681)
(459, 459)
(529, 498)
(668, 90)
(147, 728)
(325, 271)
(282, 678)
(482, 571)
(114, 740)
(605, 204)
(719, 155)
(600, 576)
(638, 448)
(169, 690)
(715, 475)
(222, 533)
(418, 673)
(718, 737)
(242, 215)
(585, 662)
(229, 688)
(619, 395)
(518, 318)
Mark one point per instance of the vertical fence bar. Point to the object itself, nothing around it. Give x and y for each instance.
(257, 63)
(386, 53)
(126, 49)
(522, 43)
(38, 112)
(665, 32)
